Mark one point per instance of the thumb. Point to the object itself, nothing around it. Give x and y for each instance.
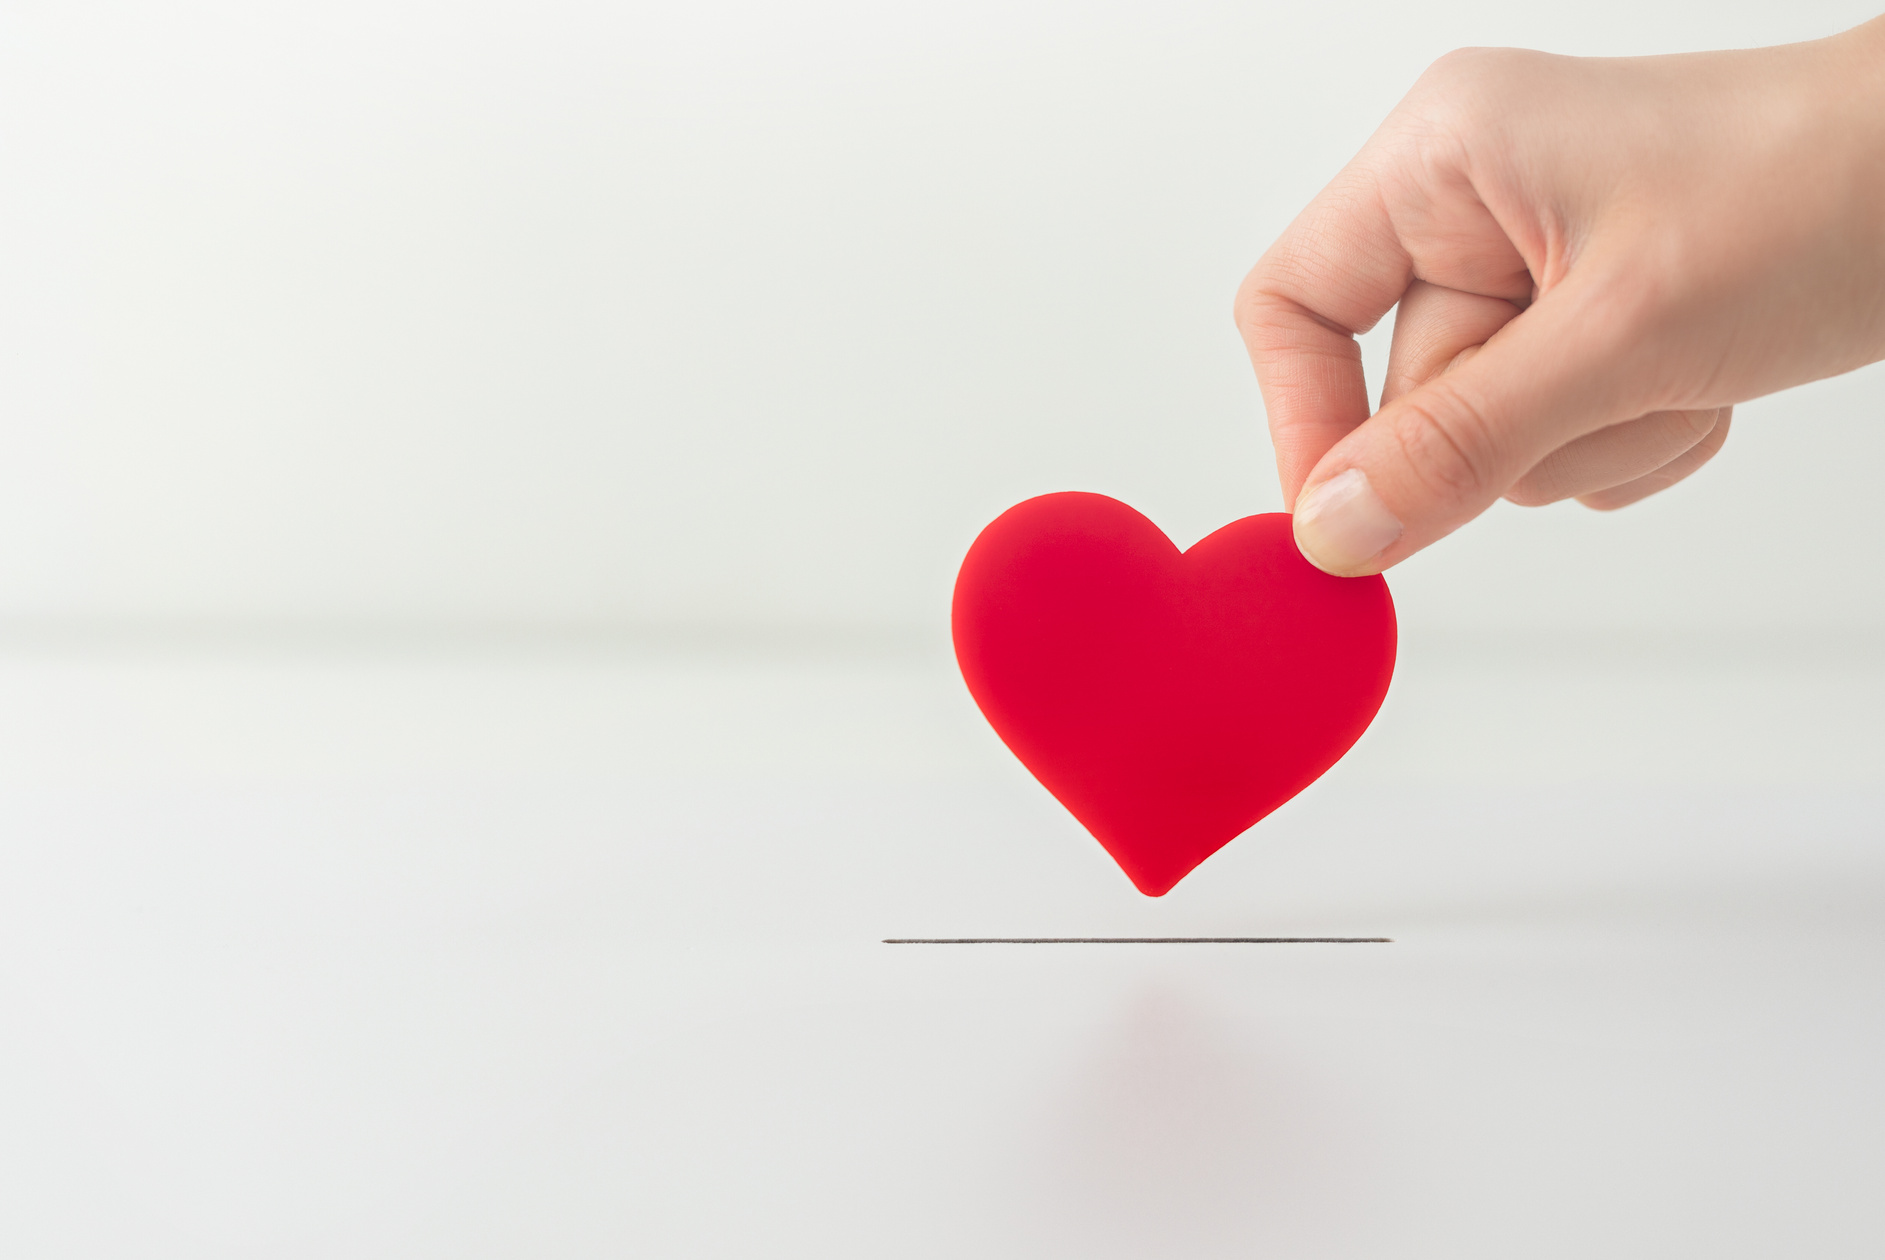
(1439, 455)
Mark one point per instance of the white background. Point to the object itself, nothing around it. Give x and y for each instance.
(479, 490)
(742, 314)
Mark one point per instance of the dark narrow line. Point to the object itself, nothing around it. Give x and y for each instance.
(1142, 940)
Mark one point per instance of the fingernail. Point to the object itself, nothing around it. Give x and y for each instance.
(1342, 524)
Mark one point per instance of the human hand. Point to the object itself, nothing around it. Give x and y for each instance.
(1594, 259)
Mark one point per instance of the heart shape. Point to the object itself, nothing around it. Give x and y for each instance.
(1168, 699)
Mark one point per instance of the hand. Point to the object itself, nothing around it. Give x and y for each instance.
(1595, 259)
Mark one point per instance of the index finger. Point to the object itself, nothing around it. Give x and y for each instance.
(1333, 274)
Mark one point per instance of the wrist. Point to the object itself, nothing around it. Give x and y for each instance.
(1863, 52)
(1851, 90)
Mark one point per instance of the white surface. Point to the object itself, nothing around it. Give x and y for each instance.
(730, 315)
(550, 311)
(479, 951)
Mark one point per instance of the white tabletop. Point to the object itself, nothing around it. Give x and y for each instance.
(484, 950)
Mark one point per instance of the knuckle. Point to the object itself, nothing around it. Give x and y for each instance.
(1254, 308)
(1468, 86)
(1263, 305)
(1267, 332)
(1459, 65)
(1485, 67)
(1447, 442)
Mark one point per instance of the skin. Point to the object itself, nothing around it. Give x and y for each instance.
(1595, 259)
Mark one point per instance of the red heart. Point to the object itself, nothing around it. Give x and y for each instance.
(1168, 699)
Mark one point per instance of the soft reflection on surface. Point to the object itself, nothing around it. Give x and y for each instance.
(1181, 1133)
